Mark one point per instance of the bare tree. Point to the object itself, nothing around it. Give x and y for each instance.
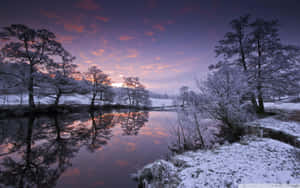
(26, 45)
(100, 84)
(136, 93)
(255, 48)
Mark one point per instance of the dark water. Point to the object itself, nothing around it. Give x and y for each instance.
(82, 150)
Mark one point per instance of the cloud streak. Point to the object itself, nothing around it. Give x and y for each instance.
(89, 5)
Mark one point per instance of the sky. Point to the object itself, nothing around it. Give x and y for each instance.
(166, 43)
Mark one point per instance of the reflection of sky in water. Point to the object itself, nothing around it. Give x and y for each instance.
(101, 153)
(110, 165)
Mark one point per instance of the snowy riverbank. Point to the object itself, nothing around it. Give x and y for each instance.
(70, 99)
(252, 160)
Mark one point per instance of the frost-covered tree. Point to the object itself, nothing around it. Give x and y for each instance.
(136, 93)
(27, 45)
(184, 95)
(273, 65)
(256, 49)
(221, 96)
(100, 85)
(61, 76)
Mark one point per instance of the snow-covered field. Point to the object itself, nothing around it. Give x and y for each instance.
(254, 160)
(69, 99)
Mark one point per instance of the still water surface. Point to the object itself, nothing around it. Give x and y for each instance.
(82, 150)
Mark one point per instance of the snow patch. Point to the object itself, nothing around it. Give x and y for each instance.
(254, 160)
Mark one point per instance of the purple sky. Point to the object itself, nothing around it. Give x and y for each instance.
(167, 43)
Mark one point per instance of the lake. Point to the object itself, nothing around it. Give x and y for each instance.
(82, 149)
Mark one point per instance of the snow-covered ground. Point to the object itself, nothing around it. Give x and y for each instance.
(254, 160)
(161, 102)
(288, 127)
(282, 106)
(68, 99)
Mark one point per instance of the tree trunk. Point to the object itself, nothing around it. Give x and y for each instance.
(58, 95)
(30, 89)
(260, 108)
(93, 100)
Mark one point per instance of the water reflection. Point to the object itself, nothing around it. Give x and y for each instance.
(93, 149)
(36, 151)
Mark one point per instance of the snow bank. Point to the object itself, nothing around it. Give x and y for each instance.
(68, 99)
(288, 127)
(282, 106)
(161, 102)
(253, 160)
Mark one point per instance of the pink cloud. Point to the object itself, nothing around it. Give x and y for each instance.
(133, 53)
(149, 33)
(104, 19)
(98, 52)
(88, 5)
(157, 58)
(64, 38)
(126, 38)
(74, 27)
(159, 27)
(88, 61)
(49, 14)
(72, 172)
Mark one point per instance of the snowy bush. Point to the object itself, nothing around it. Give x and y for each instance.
(222, 96)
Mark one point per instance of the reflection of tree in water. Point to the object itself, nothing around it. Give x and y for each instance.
(41, 158)
(100, 131)
(132, 122)
(35, 151)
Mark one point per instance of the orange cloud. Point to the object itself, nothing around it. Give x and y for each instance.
(74, 27)
(121, 163)
(157, 58)
(126, 38)
(132, 56)
(65, 38)
(98, 52)
(149, 33)
(87, 5)
(159, 27)
(49, 14)
(180, 53)
(72, 172)
(133, 53)
(88, 61)
(104, 19)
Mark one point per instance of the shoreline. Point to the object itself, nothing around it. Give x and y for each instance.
(25, 110)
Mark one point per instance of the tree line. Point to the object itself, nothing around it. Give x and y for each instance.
(33, 62)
